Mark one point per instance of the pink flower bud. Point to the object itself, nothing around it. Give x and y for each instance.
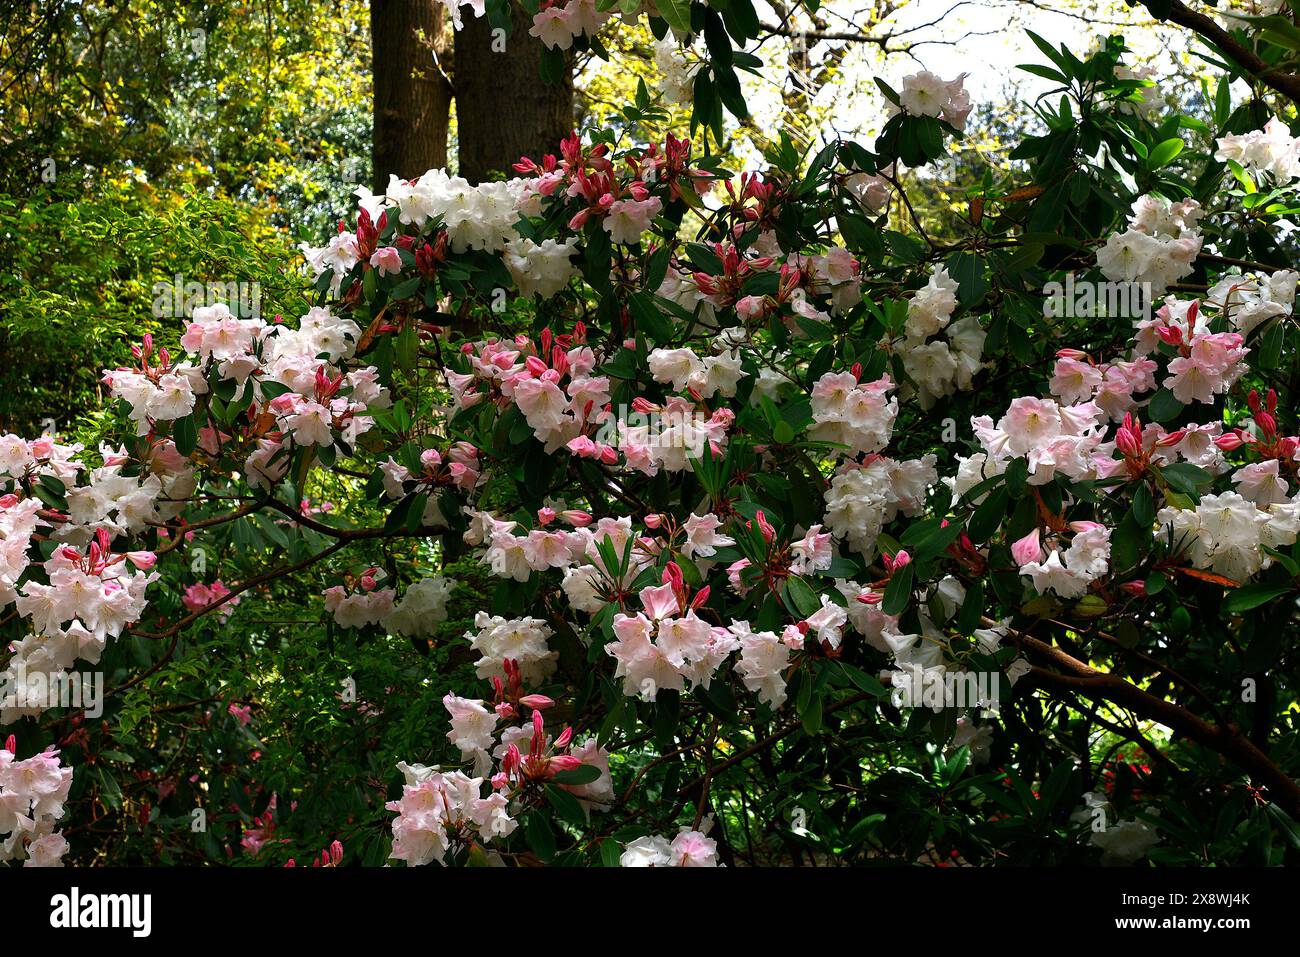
(563, 762)
(582, 446)
(536, 701)
(1086, 526)
(895, 562)
(750, 307)
(1127, 444)
(1027, 549)
(512, 759)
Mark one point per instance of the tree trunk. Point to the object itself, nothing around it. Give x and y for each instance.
(503, 108)
(412, 96)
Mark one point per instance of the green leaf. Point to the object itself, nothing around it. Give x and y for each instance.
(811, 714)
(863, 681)
(648, 317)
(540, 837)
(988, 515)
(1045, 72)
(185, 434)
(1144, 509)
(802, 596)
(1017, 476)
(566, 805)
(585, 774)
(1222, 102)
(1286, 823)
(1163, 153)
(968, 270)
(1164, 407)
(1252, 596)
(1187, 478)
(610, 852)
(1270, 348)
(677, 13)
(898, 592)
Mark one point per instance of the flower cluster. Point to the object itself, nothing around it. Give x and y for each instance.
(939, 367)
(690, 848)
(1067, 573)
(666, 643)
(679, 71)
(1159, 247)
(422, 609)
(926, 94)
(32, 794)
(549, 381)
(703, 376)
(1226, 533)
(199, 596)
(88, 597)
(1252, 300)
(852, 413)
(158, 389)
(557, 24)
(522, 641)
(458, 466)
(863, 498)
(1207, 363)
(362, 602)
(1271, 150)
(444, 811)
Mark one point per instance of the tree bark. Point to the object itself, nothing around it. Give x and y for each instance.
(412, 96)
(1284, 82)
(1061, 672)
(504, 110)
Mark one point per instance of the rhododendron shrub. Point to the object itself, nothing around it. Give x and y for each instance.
(638, 511)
